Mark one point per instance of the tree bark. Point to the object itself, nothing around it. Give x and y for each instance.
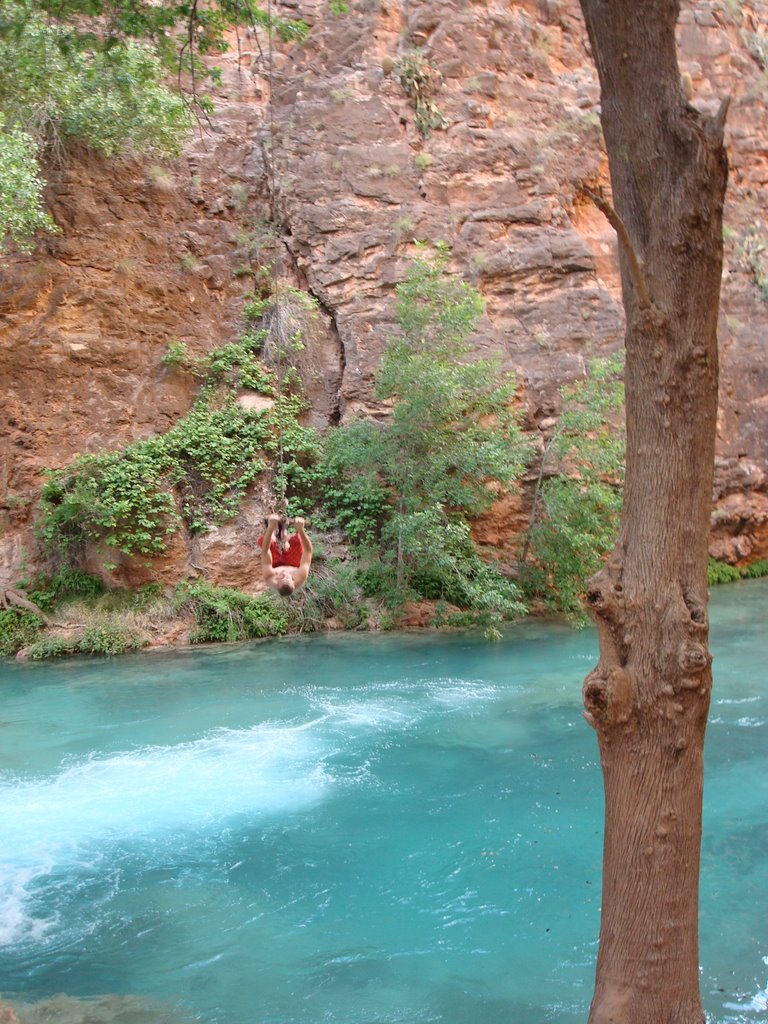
(648, 698)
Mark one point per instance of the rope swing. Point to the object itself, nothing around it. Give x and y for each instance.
(285, 560)
(276, 325)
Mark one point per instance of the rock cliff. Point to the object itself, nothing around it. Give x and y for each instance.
(319, 162)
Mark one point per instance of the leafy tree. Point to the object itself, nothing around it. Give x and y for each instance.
(405, 489)
(95, 71)
(576, 511)
(21, 189)
(648, 698)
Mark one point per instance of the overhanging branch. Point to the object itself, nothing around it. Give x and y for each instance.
(621, 230)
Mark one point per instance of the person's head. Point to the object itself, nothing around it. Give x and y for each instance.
(284, 583)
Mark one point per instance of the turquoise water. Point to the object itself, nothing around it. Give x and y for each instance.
(388, 829)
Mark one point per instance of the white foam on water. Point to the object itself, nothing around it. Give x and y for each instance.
(62, 826)
(737, 700)
(61, 822)
(457, 694)
(757, 1004)
(390, 707)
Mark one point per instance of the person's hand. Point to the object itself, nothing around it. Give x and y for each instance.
(298, 522)
(274, 519)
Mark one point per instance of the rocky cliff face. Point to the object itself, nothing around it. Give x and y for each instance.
(329, 142)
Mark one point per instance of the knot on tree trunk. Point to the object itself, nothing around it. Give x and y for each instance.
(697, 609)
(607, 695)
(693, 658)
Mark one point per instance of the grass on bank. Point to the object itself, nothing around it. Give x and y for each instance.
(91, 620)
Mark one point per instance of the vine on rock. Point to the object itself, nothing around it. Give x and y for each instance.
(195, 475)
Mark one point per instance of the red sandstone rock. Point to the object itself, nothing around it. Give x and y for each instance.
(147, 254)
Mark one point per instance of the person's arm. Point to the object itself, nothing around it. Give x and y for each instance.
(306, 554)
(267, 569)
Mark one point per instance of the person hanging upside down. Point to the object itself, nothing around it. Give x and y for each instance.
(285, 561)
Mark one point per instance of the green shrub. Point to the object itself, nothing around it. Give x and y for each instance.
(405, 490)
(47, 591)
(59, 82)
(756, 570)
(176, 354)
(420, 80)
(237, 366)
(224, 615)
(18, 628)
(332, 591)
(51, 647)
(128, 499)
(105, 640)
(21, 190)
(198, 472)
(722, 572)
(577, 510)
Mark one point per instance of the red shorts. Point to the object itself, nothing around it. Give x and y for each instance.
(290, 556)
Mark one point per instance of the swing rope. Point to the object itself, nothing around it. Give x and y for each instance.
(277, 318)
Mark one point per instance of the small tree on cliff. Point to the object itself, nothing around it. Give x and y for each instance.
(406, 489)
(648, 698)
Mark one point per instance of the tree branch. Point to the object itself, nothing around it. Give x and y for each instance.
(621, 230)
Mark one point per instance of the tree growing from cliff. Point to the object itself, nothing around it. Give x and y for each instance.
(120, 76)
(578, 495)
(648, 697)
(405, 489)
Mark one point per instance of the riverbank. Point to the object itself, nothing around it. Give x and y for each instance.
(75, 615)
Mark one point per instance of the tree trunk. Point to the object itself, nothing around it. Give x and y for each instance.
(648, 697)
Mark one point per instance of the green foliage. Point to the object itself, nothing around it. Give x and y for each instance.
(94, 71)
(134, 498)
(441, 564)
(60, 83)
(18, 628)
(332, 591)
(224, 615)
(756, 570)
(752, 253)
(353, 486)
(255, 308)
(236, 365)
(48, 591)
(198, 472)
(21, 190)
(105, 640)
(578, 524)
(722, 572)
(177, 354)
(403, 490)
(338, 7)
(420, 80)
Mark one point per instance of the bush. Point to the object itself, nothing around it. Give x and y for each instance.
(21, 190)
(196, 474)
(60, 82)
(332, 591)
(756, 570)
(48, 591)
(18, 628)
(405, 490)
(224, 615)
(577, 511)
(105, 640)
(722, 572)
